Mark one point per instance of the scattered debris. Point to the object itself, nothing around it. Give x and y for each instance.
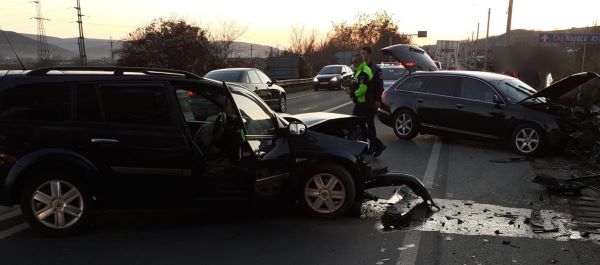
(460, 221)
(564, 249)
(511, 222)
(406, 247)
(562, 185)
(486, 210)
(497, 232)
(511, 160)
(485, 241)
(448, 238)
(553, 261)
(585, 234)
(382, 261)
(527, 221)
(514, 261)
(469, 203)
(505, 242)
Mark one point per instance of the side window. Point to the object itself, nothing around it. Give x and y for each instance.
(41, 102)
(476, 90)
(244, 78)
(87, 104)
(140, 105)
(197, 107)
(442, 85)
(263, 77)
(256, 120)
(253, 77)
(414, 84)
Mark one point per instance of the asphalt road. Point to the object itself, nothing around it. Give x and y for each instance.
(455, 171)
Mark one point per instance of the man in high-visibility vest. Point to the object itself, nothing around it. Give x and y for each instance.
(363, 100)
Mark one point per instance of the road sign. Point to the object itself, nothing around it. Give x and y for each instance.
(422, 34)
(568, 38)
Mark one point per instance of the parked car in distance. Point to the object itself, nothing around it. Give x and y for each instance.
(256, 81)
(481, 105)
(391, 73)
(74, 139)
(333, 77)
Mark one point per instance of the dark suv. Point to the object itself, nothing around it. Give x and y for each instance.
(73, 139)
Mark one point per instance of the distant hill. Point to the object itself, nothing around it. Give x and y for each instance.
(65, 48)
(27, 48)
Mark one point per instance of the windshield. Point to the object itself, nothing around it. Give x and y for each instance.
(392, 73)
(227, 76)
(331, 70)
(516, 90)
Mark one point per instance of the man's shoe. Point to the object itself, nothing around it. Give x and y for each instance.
(379, 150)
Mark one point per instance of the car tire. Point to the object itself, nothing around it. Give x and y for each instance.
(320, 197)
(56, 203)
(405, 124)
(282, 104)
(528, 139)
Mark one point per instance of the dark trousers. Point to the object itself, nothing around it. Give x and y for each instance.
(367, 112)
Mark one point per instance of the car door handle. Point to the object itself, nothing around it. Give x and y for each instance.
(420, 100)
(460, 106)
(104, 141)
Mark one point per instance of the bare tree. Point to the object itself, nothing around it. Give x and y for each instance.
(297, 39)
(226, 35)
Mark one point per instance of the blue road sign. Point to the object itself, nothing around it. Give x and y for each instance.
(566, 38)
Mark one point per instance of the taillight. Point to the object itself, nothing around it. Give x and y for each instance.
(409, 64)
(384, 94)
(190, 94)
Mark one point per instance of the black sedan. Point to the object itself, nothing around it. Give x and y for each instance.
(333, 77)
(482, 105)
(256, 81)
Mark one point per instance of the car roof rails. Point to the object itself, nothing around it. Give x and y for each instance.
(117, 70)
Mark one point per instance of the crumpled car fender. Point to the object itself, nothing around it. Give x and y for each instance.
(399, 179)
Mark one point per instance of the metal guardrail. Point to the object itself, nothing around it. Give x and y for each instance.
(291, 82)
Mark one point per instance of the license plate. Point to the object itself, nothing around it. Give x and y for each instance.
(324, 83)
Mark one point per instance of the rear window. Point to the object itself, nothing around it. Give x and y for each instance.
(226, 76)
(392, 73)
(414, 84)
(442, 85)
(137, 105)
(40, 102)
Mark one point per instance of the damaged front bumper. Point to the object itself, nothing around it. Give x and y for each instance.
(399, 179)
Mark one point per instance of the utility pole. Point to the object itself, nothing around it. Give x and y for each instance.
(508, 22)
(487, 36)
(43, 51)
(251, 49)
(475, 54)
(81, 39)
(112, 53)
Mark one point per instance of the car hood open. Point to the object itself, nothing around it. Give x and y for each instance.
(411, 57)
(564, 86)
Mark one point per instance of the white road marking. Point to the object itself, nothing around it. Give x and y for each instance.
(301, 96)
(409, 256)
(338, 107)
(10, 214)
(13, 230)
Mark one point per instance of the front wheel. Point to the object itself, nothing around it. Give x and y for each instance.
(528, 139)
(326, 191)
(56, 204)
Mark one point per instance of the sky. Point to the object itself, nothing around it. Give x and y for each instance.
(269, 22)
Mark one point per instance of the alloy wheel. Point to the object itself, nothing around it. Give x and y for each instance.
(527, 140)
(57, 204)
(324, 193)
(403, 124)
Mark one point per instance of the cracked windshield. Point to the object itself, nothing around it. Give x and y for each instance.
(316, 132)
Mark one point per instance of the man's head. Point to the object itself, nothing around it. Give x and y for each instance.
(366, 52)
(357, 59)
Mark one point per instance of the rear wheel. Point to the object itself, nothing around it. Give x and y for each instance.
(405, 124)
(326, 191)
(282, 104)
(528, 139)
(55, 203)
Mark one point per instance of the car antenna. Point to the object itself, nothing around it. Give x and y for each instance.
(13, 49)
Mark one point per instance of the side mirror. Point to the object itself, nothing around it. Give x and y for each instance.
(296, 128)
(496, 100)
